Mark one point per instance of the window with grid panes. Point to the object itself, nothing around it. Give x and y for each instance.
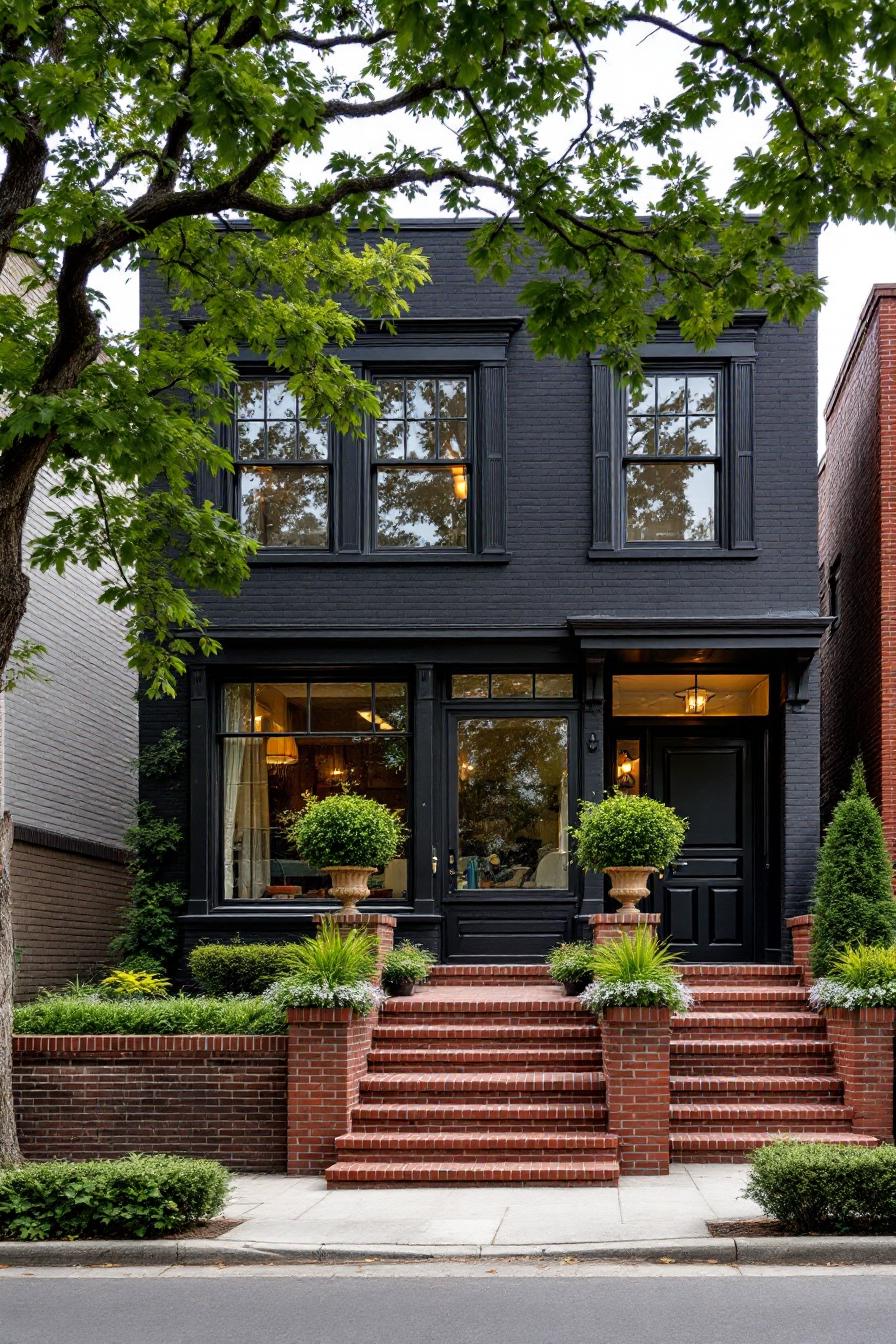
(284, 468)
(672, 459)
(421, 463)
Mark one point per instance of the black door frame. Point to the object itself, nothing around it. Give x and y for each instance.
(757, 732)
(541, 901)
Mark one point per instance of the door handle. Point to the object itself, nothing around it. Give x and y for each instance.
(452, 870)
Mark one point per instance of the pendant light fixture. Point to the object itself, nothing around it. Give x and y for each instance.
(695, 698)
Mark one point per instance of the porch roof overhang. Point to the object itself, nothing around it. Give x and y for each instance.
(699, 636)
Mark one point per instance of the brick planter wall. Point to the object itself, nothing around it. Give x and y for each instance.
(800, 927)
(863, 1053)
(607, 928)
(327, 1058)
(107, 1096)
(636, 1069)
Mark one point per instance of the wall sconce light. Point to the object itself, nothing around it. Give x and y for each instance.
(694, 698)
(625, 771)
(591, 743)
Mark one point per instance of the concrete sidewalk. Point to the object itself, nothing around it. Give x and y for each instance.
(281, 1211)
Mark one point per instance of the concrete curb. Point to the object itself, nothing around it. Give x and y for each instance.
(691, 1250)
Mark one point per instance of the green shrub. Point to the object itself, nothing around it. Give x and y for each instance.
(241, 968)
(636, 971)
(142, 961)
(345, 830)
(407, 961)
(824, 1187)
(336, 957)
(853, 896)
(66, 1014)
(143, 984)
(627, 831)
(572, 964)
(138, 1196)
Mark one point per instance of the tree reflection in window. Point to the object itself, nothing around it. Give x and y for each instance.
(672, 459)
(422, 463)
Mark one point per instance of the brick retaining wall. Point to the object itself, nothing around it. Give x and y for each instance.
(106, 1096)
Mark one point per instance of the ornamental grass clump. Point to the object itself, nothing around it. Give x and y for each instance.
(853, 896)
(635, 971)
(572, 965)
(128, 1197)
(333, 970)
(861, 977)
(826, 1187)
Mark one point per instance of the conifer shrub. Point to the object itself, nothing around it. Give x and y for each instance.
(853, 895)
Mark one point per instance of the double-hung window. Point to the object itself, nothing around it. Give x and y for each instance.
(421, 463)
(284, 468)
(672, 461)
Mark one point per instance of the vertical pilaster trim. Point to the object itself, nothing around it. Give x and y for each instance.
(349, 493)
(203, 827)
(741, 457)
(424, 836)
(593, 767)
(492, 441)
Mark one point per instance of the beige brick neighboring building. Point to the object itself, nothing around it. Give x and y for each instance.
(67, 743)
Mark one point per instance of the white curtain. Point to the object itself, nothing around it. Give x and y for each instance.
(246, 819)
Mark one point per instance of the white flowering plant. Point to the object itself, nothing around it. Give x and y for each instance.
(636, 970)
(861, 977)
(362, 997)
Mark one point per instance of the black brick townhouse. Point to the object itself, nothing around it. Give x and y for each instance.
(519, 589)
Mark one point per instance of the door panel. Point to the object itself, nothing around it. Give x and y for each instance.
(707, 899)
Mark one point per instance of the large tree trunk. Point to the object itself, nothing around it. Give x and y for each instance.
(9, 1143)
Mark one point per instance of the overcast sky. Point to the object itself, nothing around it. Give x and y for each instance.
(637, 69)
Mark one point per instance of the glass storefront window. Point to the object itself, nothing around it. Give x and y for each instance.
(272, 754)
(512, 803)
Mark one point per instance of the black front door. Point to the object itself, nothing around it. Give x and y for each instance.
(708, 899)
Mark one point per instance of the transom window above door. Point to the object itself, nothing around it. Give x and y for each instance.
(421, 463)
(512, 686)
(671, 459)
(691, 695)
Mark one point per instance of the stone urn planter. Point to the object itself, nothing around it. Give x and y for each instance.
(348, 886)
(628, 886)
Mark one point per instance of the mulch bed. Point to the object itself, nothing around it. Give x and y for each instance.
(768, 1227)
(216, 1227)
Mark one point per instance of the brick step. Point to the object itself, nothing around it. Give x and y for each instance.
(784, 1087)
(520, 1085)
(691, 1055)
(484, 1114)
(740, 998)
(411, 1032)
(535, 1007)
(434, 1058)
(734, 973)
(421, 1145)
(488, 975)
(716, 1115)
(743, 1025)
(735, 1145)
(571, 1171)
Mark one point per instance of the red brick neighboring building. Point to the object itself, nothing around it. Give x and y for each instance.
(857, 569)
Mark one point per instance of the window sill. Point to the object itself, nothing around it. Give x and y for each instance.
(674, 553)
(287, 557)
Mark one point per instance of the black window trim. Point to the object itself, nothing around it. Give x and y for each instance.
(734, 357)
(480, 347)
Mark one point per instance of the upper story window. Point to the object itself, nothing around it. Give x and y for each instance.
(421, 463)
(284, 468)
(672, 460)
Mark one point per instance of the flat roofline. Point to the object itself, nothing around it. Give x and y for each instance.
(876, 294)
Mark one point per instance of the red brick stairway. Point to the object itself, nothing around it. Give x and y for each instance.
(487, 1075)
(751, 1062)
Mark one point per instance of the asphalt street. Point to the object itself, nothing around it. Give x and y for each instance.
(623, 1308)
